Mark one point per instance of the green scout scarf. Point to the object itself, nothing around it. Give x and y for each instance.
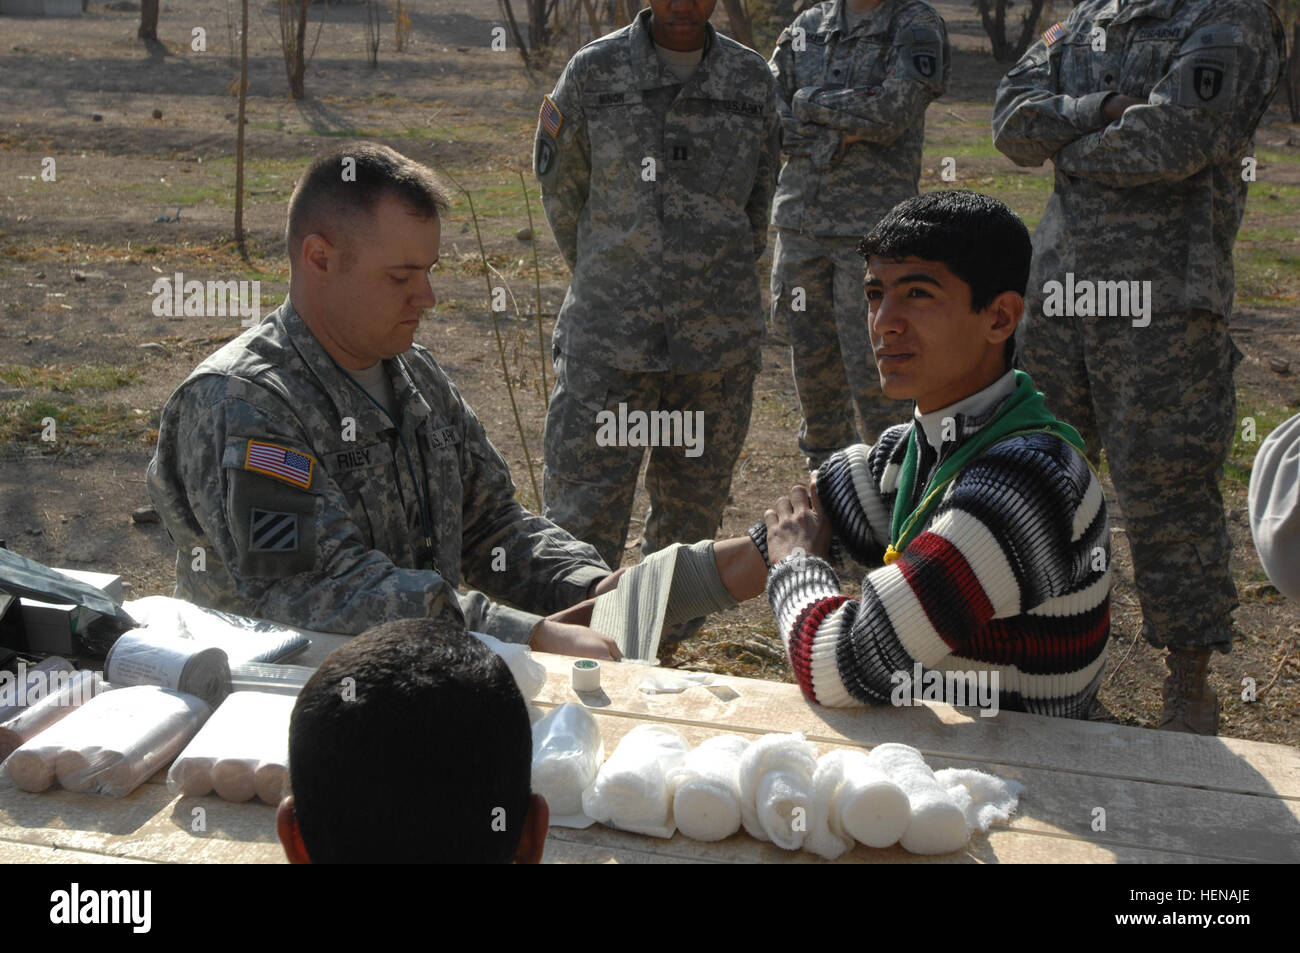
(1023, 413)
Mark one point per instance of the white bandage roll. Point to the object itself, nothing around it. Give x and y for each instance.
(776, 788)
(872, 808)
(706, 795)
(854, 801)
(938, 824)
(567, 751)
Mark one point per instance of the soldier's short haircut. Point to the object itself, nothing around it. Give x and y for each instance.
(344, 185)
(979, 239)
(415, 758)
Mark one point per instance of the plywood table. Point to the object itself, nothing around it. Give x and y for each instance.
(1094, 792)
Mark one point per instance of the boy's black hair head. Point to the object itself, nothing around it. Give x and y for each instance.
(411, 744)
(342, 186)
(979, 239)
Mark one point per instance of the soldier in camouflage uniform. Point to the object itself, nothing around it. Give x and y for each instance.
(657, 156)
(336, 498)
(853, 81)
(1148, 111)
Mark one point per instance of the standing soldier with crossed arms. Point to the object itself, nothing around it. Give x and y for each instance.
(657, 156)
(1148, 111)
(854, 78)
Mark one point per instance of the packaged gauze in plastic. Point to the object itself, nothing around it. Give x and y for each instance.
(112, 744)
(72, 692)
(567, 752)
(631, 790)
(242, 751)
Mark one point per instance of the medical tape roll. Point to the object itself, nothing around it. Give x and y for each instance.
(79, 688)
(144, 657)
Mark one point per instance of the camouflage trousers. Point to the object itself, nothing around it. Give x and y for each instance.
(592, 459)
(1161, 401)
(817, 294)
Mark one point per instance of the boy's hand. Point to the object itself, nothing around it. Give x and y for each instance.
(796, 523)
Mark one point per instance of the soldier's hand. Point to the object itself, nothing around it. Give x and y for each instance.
(601, 586)
(562, 638)
(1115, 105)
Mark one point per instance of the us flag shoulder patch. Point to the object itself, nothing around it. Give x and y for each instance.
(279, 462)
(551, 117)
(1053, 33)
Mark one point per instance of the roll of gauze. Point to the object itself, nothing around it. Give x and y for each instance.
(78, 689)
(938, 825)
(983, 798)
(706, 789)
(150, 657)
(191, 776)
(567, 752)
(871, 807)
(248, 731)
(31, 769)
(854, 801)
(269, 779)
(775, 787)
(631, 789)
(114, 742)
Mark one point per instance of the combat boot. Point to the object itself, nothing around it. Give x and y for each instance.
(1190, 704)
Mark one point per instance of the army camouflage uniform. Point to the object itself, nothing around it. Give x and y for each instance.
(874, 81)
(658, 194)
(1157, 196)
(302, 525)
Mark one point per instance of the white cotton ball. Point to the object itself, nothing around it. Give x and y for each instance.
(938, 824)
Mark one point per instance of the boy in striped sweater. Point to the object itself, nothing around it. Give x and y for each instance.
(984, 522)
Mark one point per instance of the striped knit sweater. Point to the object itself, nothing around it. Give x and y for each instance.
(1010, 575)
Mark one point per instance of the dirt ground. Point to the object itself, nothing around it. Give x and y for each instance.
(138, 197)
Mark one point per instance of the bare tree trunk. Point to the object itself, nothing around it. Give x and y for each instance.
(1293, 74)
(239, 135)
(148, 20)
(993, 17)
(740, 27)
